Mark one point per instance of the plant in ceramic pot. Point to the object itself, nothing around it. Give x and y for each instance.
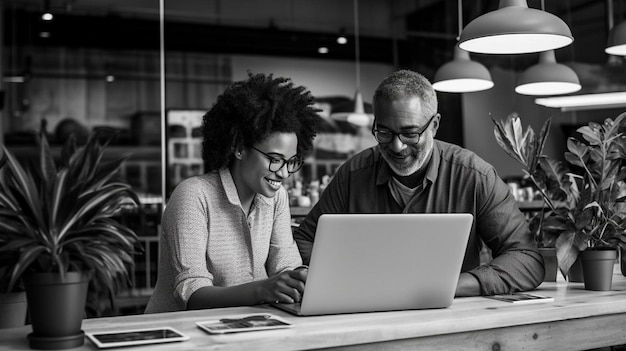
(12, 302)
(58, 229)
(585, 204)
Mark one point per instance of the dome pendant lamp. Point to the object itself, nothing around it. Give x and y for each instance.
(358, 116)
(515, 29)
(617, 40)
(548, 78)
(616, 44)
(462, 75)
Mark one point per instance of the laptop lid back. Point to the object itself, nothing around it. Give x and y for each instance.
(383, 262)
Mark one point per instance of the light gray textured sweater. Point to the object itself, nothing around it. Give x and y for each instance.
(207, 240)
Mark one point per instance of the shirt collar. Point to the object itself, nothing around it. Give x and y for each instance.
(229, 186)
(231, 190)
(433, 164)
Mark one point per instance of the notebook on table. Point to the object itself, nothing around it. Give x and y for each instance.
(383, 262)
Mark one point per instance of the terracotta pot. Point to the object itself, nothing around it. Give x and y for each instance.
(56, 309)
(549, 262)
(598, 264)
(12, 309)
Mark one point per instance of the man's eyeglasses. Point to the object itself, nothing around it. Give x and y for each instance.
(276, 163)
(408, 138)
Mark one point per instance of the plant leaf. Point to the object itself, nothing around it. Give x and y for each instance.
(68, 150)
(92, 201)
(566, 251)
(506, 136)
(578, 152)
(59, 191)
(591, 134)
(539, 145)
(558, 183)
(46, 161)
(27, 257)
(28, 189)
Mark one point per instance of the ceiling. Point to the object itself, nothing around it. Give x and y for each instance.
(399, 32)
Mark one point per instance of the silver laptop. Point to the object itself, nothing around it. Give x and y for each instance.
(383, 262)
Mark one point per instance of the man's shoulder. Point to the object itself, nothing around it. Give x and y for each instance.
(364, 159)
(452, 155)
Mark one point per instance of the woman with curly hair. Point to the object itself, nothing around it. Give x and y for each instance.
(226, 237)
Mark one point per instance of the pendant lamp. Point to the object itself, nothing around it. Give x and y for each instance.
(617, 40)
(616, 43)
(462, 75)
(47, 14)
(548, 78)
(515, 29)
(585, 102)
(358, 116)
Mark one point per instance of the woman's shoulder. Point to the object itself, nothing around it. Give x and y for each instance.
(195, 192)
(207, 179)
(197, 185)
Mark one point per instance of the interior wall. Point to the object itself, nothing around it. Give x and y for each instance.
(322, 77)
(480, 107)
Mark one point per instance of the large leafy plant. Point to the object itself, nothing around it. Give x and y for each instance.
(585, 196)
(62, 217)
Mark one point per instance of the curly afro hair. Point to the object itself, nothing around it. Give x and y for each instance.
(249, 111)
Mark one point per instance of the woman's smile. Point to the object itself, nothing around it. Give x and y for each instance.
(275, 184)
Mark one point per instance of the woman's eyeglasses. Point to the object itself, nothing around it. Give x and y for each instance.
(276, 163)
(385, 136)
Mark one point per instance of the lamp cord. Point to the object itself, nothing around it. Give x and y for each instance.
(609, 13)
(356, 44)
(460, 18)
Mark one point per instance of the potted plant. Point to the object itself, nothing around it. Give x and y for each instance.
(585, 210)
(58, 229)
(12, 302)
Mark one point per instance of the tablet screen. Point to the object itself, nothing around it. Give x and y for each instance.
(242, 324)
(135, 337)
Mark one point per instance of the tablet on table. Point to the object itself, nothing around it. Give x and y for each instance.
(135, 337)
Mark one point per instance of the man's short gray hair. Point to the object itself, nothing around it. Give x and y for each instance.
(405, 83)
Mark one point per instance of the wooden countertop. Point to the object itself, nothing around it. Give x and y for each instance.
(577, 319)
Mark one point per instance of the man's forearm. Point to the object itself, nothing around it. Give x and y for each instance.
(468, 286)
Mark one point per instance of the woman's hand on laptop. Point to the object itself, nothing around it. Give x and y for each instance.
(285, 287)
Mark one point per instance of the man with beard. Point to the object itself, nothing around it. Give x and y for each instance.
(409, 171)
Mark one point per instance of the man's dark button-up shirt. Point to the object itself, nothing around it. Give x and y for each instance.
(456, 181)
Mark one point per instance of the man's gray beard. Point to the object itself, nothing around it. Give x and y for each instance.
(405, 172)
